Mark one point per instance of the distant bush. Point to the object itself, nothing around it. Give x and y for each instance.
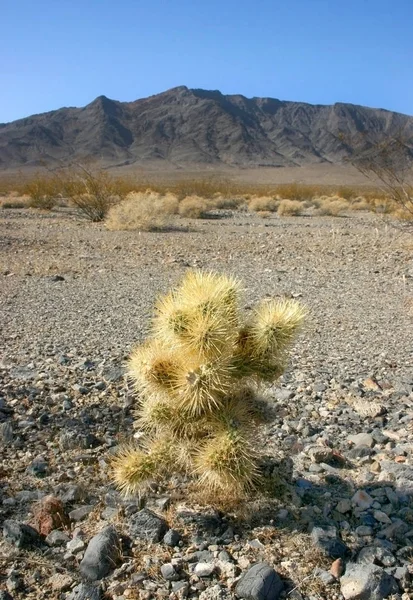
(360, 203)
(289, 208)
(193, 207)
(143, 211)
(42, 191)
(332, 206)
(263, 203)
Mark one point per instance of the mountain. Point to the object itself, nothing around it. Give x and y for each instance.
(188, 127)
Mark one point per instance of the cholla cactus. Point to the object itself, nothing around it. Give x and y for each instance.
(196, 376)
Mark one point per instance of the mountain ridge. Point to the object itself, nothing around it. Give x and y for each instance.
(185, 127)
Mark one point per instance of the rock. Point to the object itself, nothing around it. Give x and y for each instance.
(376, 555)
(180, 589)
(172, 538)
(38, 467)
(324, 576)
(343, 506)
(14, 582)
(168, 572)
(78, 514)
(86, 591)
(361, 439)
(75, 545)
(102, 554)
(6, 433)
(381, 516)
(146, 525)
(362, 499)
(57, 538)
(260, 582)
(56, 278)
(328, 542)
(20, 535)
(204, 569)
(367, 582)
(337, 568)
(49, 514)
(5, 595)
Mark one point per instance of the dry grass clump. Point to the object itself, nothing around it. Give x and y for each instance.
(332, 206)
(14, 201)
(42, 191)
(194, 207)
(143, 211)
(360, 203)
(263, 203)
(196, 376)
(289, 208)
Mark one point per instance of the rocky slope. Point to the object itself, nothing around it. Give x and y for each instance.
(183, 127)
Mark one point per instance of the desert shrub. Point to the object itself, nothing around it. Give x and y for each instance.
(142, 211)
(264, 214)
(197, 376)
(332, 206)
(220, 202)
(263, 203)
(193, 207)
(42, 191)
(14, 202)
(289, 208)
(360, 203)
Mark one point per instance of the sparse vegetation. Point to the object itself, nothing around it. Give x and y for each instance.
(194, 207)
(289, 208)
(334, 206)
(196, 376)
(263, 203)
(143, 211)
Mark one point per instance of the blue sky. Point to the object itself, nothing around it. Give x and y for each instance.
(67, 52)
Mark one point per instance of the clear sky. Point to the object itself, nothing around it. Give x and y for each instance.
(58, 53)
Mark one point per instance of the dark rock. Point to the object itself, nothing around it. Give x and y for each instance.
(57, 538)
(38, 467)
(328, 542)
(102, 554)
(168, 572)
(80, 513)
(146, 525)
(56, 278)
(86, 591)
(5, 595)
(367, 582)
(172, 538)
(260, 582)
(20, 535)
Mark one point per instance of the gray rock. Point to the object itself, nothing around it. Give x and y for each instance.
(343, 506)
(57, 538)
(362, 499)
(38, 467)
(6, 433)
(367, 582)
(146, 525)
(215, 592)
(376, 555)
(260, 582)
(325, 576)
(328, 542)
(204, 569)
(362, 439)
(172, 538)
(80, 513)
(20, 535)
(102, 554)
(168, 572)
(86, 591)
(381, 516)
(5, 595)
(75, 545)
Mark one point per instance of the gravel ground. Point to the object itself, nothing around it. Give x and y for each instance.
(75, 298)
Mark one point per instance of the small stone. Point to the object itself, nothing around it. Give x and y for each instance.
(367, 582)
(324, 576)
(168, 572)
(86, 591)
(57, 538)
(20, 535)
(180, 589)
(337, 568)
(328, 542)
(14, 582)
(343, 506)
(172, 538)
(204, 569)
(381, 516)
(215, 592)
(260, 582)
(362, 499)
(146, 525)
(5, 595)
(102, 554)
(56, 278)
(364, 530)
(78, 514)
(75, 545)
(362, 439)
(38, 467)
(376, 555)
